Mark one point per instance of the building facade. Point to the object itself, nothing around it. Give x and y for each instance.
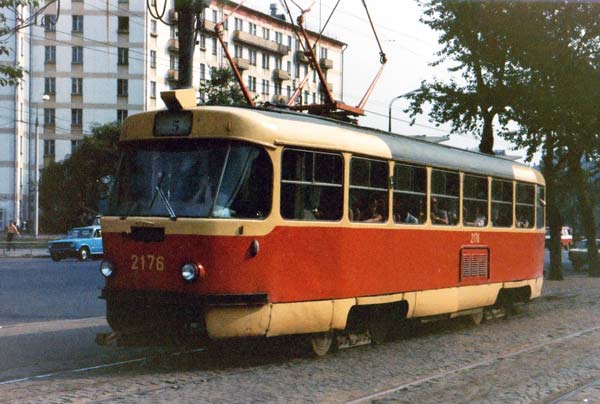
(98, 61)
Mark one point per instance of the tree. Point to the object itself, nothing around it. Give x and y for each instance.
(222, 88)
(72, 189)
(10, 75)
(474, 38)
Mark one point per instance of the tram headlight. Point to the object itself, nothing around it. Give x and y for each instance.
(107, 268)
(190, 272)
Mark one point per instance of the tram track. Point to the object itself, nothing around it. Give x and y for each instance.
(572, 395)
(506, 355)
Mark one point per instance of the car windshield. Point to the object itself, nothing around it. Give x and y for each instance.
(204, 178)
(79, 233)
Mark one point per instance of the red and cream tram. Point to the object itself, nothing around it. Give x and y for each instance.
(233, 222)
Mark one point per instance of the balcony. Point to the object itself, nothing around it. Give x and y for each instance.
(261, 43)
(172, 75)
(241, 64)
(322, 89)
(301, 57)
(209, 26)
(280, 99)
(173, 16)
(326, 63)
(173, 45)
(281, 75)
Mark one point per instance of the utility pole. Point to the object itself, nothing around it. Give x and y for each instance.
(189, 19)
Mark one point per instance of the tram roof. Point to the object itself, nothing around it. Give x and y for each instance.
(280, 127)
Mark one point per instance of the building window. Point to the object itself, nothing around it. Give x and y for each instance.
(76, 86)
(266, 33)
(49, 147)
(312, 185)
(173, 63)
(265, 60)
(214, 46)
(50, 23)
(49, 85)
(265, 87)
(278, 62)
(289, 41)
(277, 88)
(76, 144)
(288, 91)
(252, 84)
(297, 70)
(239, 24)
(122, 87)
(289, 67)
(121, 115)
(77, 23)
(252, 57)
(202, 71)
(314, 98)
(153, 27)
(76, 116)
(77, 55)
(123, 26)
(279, 37)
(49, 116)
(214, 15)
(50, 54)
(323, 53)
(123, 54)
(153, 89)
(238, 51)
(252, 28)
(153, 59)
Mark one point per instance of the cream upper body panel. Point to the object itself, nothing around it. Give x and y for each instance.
(272, 128)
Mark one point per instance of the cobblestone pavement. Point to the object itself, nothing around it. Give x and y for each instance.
(548, 351)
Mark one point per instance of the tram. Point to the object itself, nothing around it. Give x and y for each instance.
(232, 222)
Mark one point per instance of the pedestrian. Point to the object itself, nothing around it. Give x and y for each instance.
(11, 230)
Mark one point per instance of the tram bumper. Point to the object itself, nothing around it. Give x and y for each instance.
(159, 317)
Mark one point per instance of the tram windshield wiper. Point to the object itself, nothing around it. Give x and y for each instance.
(165, 201)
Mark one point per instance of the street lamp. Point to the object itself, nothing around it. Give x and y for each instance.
(36, 208)
(417, 90)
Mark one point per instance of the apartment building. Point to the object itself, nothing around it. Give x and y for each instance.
(98, 61)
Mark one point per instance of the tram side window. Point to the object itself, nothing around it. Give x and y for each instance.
(410, 194)
(541, 203)
(445, 192)
(502, 196)
(475, 201)
(311, 185)
(525, 208)
(368, 190)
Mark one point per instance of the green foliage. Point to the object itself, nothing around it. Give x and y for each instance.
(222, 88)
(73, 188)
(11, 75)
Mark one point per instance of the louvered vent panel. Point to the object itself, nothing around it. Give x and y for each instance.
(474, 263)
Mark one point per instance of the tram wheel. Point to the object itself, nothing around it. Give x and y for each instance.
(380, 324)
(321, 343)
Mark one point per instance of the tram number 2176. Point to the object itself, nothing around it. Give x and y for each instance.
(148, 262)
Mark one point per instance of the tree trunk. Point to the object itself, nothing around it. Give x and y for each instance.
(586, 207)
(552, 212)
(487, 134)
(186, 29)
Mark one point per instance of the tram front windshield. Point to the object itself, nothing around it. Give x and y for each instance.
(204, 178)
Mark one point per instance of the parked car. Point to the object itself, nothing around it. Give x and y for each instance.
(81, 242)
(566, 237)
(578, 254)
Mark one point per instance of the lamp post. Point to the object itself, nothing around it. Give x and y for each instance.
(36, 178)
(417, 90)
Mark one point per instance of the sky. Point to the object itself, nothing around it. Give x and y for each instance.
(410, 47)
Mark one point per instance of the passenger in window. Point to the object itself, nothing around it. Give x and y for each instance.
(522, 223)
(479, 219)
(438, 215)
(403, 215)
(374, 214)
(203, 196)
